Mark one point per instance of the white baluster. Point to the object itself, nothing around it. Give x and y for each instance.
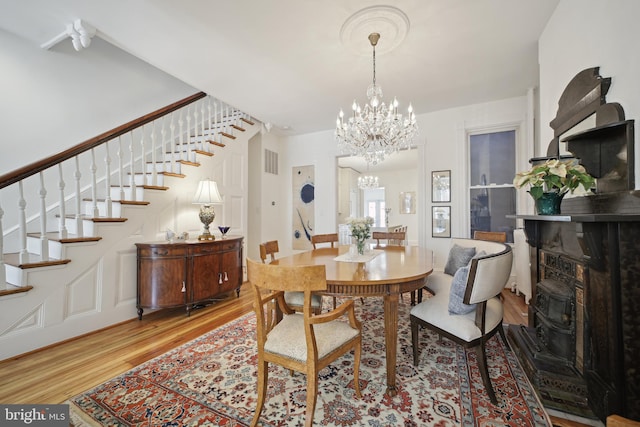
(188, 136)
(210, 133)
(77, 175)
(225, 118)
(172, 143)
(181, 131)
(202, 137)
(94, 186)
(107, 183)
(163, 143)
(195, 132)
(154, 163)
(132, 168)
(215, 122)
(143, 158)
(62, 221)
(120, 168)
(44, 241)
(3, 269)
(22, 204)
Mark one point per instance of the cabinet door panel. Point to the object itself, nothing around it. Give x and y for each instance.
(204, 280)
(164, 282)
(231, 269)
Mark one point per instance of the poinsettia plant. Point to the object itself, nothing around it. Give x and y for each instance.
(554, 176)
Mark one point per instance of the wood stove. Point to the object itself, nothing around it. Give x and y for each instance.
(581, 349)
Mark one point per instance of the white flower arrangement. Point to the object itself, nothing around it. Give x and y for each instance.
(360, 227)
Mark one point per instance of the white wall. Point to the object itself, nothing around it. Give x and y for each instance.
(590, 33)
(54, 99)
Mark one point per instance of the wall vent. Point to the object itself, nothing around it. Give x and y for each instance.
(270, 162)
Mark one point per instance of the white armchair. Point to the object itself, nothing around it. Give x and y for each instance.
(478, 316)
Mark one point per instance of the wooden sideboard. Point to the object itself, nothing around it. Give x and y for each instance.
(187, 273)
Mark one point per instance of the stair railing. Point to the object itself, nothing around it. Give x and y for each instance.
(168, 149)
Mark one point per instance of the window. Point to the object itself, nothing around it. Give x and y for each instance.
(492, 159)
(374, 206)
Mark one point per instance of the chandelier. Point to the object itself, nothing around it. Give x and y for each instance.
(367, 182)
(377, 130)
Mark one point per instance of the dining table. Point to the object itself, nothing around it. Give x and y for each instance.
(385, 272)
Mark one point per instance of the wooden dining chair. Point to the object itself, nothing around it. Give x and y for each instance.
(324, 238)
(294, 299)
(301, 342)
(396, 238)
(618, 421)
(492, 236)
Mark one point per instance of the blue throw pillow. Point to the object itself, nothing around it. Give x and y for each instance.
(458, 257)
(456, 295)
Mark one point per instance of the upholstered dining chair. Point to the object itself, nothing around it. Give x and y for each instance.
(302, 342)
(469, 312)
(492, 236)
(324, 238)
(293, 299)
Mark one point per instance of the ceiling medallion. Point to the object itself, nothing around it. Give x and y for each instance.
(387, 20)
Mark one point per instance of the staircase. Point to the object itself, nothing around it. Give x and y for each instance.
(68, 257)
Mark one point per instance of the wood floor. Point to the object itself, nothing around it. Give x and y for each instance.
(56, 373)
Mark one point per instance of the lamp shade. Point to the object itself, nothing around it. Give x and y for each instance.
(207, 193)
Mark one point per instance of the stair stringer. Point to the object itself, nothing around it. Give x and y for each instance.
(98, 287)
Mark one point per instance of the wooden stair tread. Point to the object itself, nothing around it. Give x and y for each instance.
(219, 144)
(204, 153)
(146, 187)
(187, 162)
(155, 187)
(15, 290)
(34, 261)
(227, 135)
(71, 238)
(177, 175)
(247, 121)
(241, 129)
(104, 219)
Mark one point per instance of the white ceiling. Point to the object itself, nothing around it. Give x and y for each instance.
(283, 61)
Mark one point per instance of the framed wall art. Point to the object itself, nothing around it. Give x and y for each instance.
(408, 202)
(441, 221)
(441, 186)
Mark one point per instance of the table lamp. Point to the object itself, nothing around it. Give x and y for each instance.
(206, 195)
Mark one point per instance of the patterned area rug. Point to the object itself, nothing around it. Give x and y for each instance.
(211, 381)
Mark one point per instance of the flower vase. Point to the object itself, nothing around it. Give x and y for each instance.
(360, 246)
(549, 203)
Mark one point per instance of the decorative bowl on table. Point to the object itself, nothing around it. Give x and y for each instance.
(224, 229)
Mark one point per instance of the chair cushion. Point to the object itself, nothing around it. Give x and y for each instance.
(459, 256)
(456, 294)
(296, 299)
(459, 287)
(435, 311)
(287, 338)
(438, 282)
